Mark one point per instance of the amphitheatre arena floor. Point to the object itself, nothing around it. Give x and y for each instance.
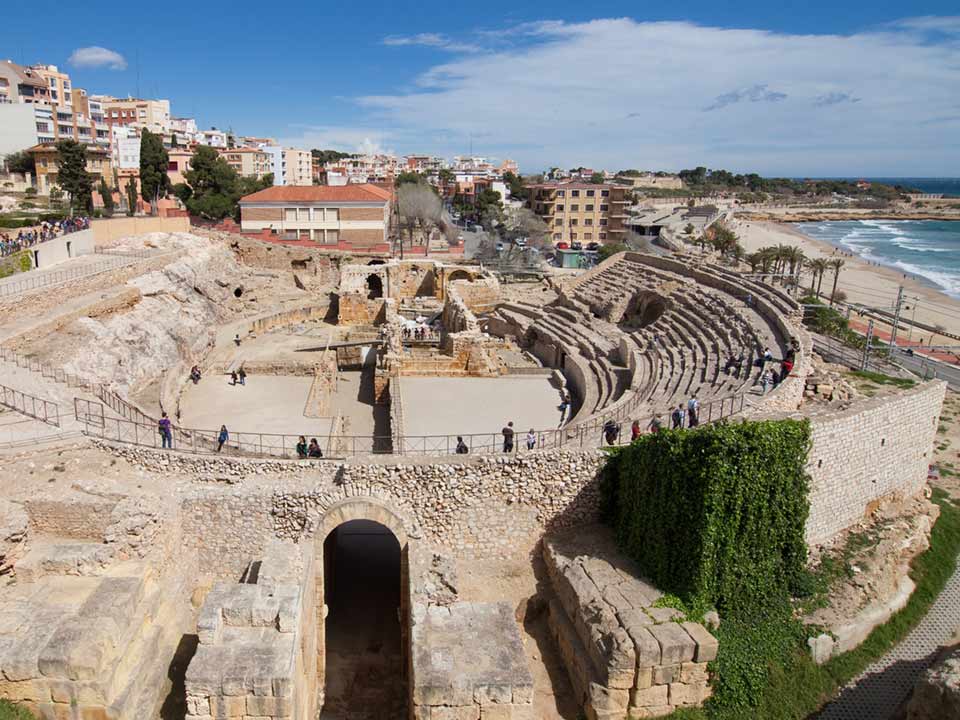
(266, 404)
(465, 406)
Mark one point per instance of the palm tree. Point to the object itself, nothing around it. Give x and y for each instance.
(835, 264)
(754, 260)
(817, 267)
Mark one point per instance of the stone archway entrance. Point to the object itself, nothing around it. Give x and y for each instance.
(363, 616)
(374, 287)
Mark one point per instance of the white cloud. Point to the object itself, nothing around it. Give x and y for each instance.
(433, 40)
(619, 93)
(95, 56)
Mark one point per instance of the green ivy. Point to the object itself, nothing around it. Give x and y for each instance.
(716, 516)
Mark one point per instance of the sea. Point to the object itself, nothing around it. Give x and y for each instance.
(927, 249)
(949, 187)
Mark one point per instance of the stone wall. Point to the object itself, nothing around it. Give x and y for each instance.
(490, 506)
(877, 448)
(480, 294)
(106, 232)
(258, 642)
(625, 657)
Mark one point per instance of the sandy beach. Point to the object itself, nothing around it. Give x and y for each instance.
(862, 281)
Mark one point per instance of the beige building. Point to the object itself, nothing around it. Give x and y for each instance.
(61, 89)
(248, 162)
(650, 180)
(154, 115)
(22, 84)
(299, 166)
(46, 159)
(581, 212)
(357, 214)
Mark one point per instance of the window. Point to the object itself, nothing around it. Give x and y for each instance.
(603, 221)
(557, 236)
(574, 208)
(573, 236)
(172, 166)
(561, 193)
(53, 83)
(575, 193)
(53, 94)
(558, 222)
(43, 127)
(332, 215)
(588, 236)
(560, 208)
(605, 193)
(588, 221)
(573, 221)
(113, 113)
(604, 208)
(589, 208)
(603, 236)
(290, 214)
(303, 214)
(333, 237)
(591, 193)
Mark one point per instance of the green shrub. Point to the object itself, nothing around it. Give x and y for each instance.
(715, 515)
(10, 711)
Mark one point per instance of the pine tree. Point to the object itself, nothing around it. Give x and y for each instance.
(131, 197)
(73, 177)
(106, 194)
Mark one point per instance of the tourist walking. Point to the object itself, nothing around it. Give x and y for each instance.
(166, 433)
(242, 374)
(531, 439)
(222, 437)
(508, 437)
(693, 412)
(302, 447)
(233, 377)
(195, 374)
(462, 448)
(656, 424)
(765, 380)
(611, 431)
(564, 404)
(314, 449)
(677, 417)
(634, 430)
(236, 340)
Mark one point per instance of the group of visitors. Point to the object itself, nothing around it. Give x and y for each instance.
(771, 378)
(195, 374)
(419, 332)
(238, 377)
(311, 450)
(43, 232)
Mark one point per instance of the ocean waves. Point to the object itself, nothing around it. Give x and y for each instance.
(927, 249)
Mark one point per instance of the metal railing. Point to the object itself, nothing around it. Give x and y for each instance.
(37, 408)
(590, 434)
(48, 278)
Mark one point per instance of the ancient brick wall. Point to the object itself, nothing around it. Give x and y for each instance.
(878, 447)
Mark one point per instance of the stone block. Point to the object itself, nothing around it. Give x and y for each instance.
(654, 695)
(644, 678)
(487, 694)
(455, 712)
(79, 648)
(270, 706)
(707, 644)
(496, 712)
(694, 672)
(88, 712)
(197, 705)
(609, 699)
(523, 694)
(227, 706)
(664, 614)
(821, 648)
(666, 674)
(62, 691)
(652, 711)
(646, 648)
(676, 646)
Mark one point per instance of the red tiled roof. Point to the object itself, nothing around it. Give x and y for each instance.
(364, 193)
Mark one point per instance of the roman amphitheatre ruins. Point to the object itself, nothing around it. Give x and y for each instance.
(394, 576)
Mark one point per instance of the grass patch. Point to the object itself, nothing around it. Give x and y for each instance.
(9, 711)
(881, 379)
(795, 687)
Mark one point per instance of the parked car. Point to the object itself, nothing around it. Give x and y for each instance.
(499, 246)
(520, 242)
(593, 246)
(563, 246)
(576, 245)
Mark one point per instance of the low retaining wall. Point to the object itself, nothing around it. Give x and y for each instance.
(106, 232)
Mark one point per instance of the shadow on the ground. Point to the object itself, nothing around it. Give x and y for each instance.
(175, 704)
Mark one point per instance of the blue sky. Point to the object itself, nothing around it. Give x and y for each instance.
(838, 88)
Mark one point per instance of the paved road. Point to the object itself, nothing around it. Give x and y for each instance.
(925, 368)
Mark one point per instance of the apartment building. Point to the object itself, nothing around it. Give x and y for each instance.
(358, 214)
(46, 158)
(299, 167)
(213, 137)
(248, 162)
(581, 212)
(61, 89)
(21, 84)
(154, 115)
(423, 163)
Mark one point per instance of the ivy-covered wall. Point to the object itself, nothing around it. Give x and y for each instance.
(715, 516)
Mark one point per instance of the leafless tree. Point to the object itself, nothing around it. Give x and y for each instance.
(418, 205)
(637, 242)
